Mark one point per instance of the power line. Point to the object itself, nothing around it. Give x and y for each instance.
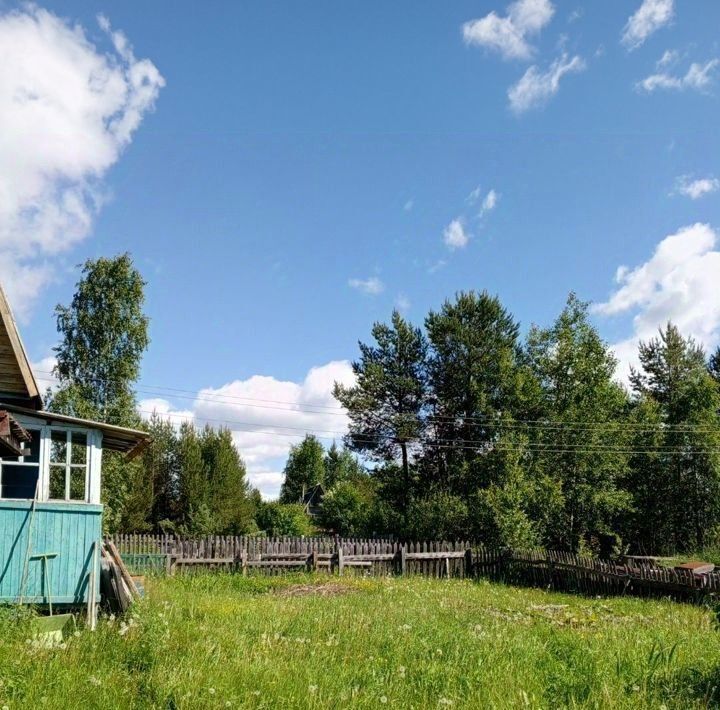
(460, 444)
(475, 420)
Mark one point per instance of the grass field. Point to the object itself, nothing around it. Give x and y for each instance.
(216, 641)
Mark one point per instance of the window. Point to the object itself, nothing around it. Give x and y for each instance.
(19, 476)
(68, 465)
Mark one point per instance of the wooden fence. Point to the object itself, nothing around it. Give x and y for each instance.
(547, 569)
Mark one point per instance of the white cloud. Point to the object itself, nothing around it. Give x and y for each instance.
(536, 87)
(436, 266)
(163, 408)
(679, 283)
(43, 371)
(695, 189)
(490, 202)
(508, 35)
(455, 236)
(699, 77)
(267, 416)
(67, 110)
(372, 285)
(649, 17)
(402, 302)
(408, 205)
(669, 57)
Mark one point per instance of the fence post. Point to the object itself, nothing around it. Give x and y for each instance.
(468, 563)
(340, 561)
(403, 560)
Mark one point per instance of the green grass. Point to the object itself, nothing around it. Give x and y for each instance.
(216, 641)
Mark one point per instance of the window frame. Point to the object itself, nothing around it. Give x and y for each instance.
(92, 465)
(20, 461)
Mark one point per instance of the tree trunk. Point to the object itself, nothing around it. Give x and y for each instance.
(406, 481)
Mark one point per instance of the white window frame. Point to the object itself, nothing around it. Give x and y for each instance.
(93, 460)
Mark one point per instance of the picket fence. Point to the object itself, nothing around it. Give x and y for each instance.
(561, 571)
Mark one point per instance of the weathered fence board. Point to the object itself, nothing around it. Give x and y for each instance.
(539, 568)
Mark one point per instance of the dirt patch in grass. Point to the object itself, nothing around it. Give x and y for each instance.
(324, 589)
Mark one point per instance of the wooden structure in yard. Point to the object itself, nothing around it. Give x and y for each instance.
(561, 571)
(50, 473)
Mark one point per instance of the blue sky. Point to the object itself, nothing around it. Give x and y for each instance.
(286, 173)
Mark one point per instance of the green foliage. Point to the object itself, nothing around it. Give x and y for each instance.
(674, 386)
(348, 508)
(341, 465)
(574, 369)
(438, 516)
(276, 519)
(387, 405)
(103, 335)
(304, 469)
(474, 380)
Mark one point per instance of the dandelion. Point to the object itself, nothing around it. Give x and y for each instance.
(312, 688)
(401, 671)
(445, 701)
(383, 699)
(211, 691)
(93, 680)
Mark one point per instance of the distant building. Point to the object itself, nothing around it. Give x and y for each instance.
(312, 500)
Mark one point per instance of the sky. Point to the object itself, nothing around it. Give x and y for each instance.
(285, 174)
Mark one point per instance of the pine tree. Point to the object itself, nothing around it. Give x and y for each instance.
(388, 404)
(474, 379)
(195, 515)
(341, 466)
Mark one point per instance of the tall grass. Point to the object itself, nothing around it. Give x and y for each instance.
(216, 641)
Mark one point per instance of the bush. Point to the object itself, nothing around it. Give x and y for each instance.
(347, 509)
(439, 516)
(284, 519)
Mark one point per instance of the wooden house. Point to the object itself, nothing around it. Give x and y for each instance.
(50, 475)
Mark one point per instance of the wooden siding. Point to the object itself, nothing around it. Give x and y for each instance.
(66, 528)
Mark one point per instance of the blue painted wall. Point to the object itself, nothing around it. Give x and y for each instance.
(66, 528)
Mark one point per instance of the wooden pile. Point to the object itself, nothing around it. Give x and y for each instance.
(117, 585)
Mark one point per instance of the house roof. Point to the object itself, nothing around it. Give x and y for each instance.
(17, 382)
(19, 392)
(115, 438)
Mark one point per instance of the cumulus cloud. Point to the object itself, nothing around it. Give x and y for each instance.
(67, 110)
(649, 17)
(508, 35)
(696, 188)
(455, 236)
(267, 416)
(699, 77)
(43, 371)
(372, 285)
(537, 87)
(679, 283)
